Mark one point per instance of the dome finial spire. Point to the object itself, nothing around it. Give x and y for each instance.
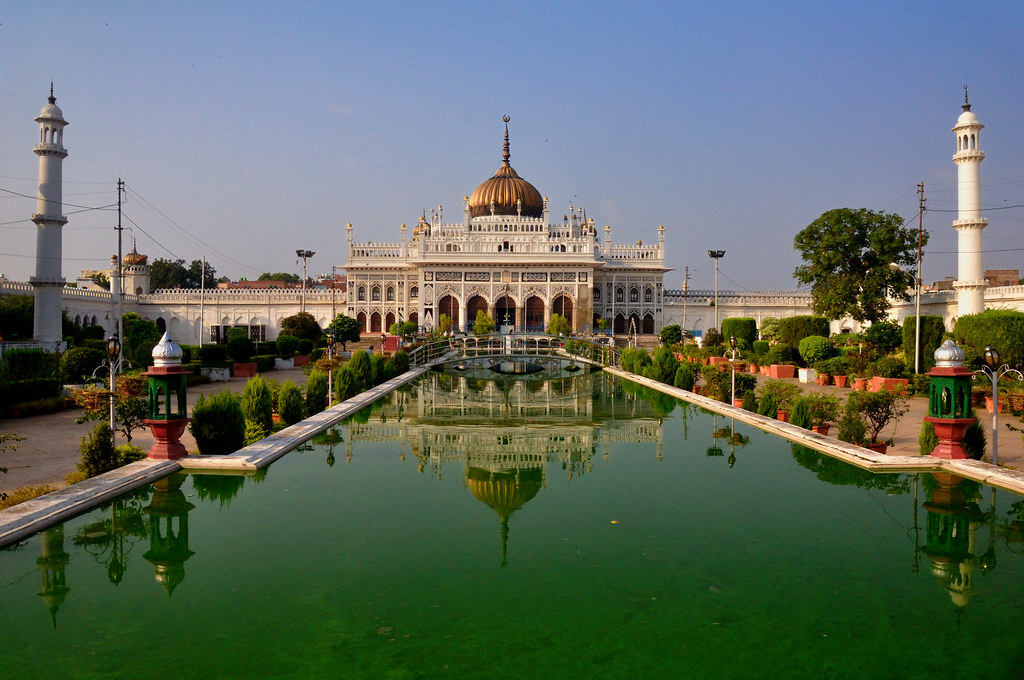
(967, 104)
(505, 154)
(51, 98)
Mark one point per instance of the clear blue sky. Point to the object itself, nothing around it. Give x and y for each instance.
(260, 128)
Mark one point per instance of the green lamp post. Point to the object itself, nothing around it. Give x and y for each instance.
(949, 400)
(168, 407)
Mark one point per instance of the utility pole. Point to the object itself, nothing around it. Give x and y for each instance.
(202, 302)
(120, 276)
(917, 312)
(686, 288)
(334, 279)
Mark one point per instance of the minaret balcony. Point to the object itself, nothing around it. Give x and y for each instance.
(968, 156)
(37, 217)
(971, 223)
(47, 280)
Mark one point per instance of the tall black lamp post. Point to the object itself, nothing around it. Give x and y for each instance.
(330, 371)
(716, 255)
(113, 361)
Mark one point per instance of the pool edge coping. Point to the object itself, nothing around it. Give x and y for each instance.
(25, 519)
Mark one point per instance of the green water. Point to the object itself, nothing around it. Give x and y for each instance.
(627, 552)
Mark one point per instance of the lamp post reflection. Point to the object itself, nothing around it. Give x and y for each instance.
(168, 532)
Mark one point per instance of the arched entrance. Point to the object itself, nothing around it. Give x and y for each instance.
(415, 318)
(475, 305)
(648, 325)
(534, 314)
(635, 325)
(449, 306)
(619, 327)
(375, 322)
(505, 311)
(562, 304)
(389, 321)
(361, 318)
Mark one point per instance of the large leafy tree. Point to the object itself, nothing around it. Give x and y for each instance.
(279, 276)
(302, 325)
(175, 274)
(346, 329)
(848, 256)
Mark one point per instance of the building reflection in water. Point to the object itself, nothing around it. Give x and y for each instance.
(53, 561)
(505, 433)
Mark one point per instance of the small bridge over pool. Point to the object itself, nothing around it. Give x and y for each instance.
(516, 354)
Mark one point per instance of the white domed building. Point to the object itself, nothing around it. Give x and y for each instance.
(507, 258)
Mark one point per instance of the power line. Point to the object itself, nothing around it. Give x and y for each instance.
(61, 203)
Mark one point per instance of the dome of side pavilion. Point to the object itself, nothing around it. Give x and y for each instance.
(509, 193)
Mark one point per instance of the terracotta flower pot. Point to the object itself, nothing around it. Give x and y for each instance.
(824, 378)
(877, 447)
(820, 429)
(860, 384)
(840, 380)
(782, 415)
(738, 403)
(988, 405)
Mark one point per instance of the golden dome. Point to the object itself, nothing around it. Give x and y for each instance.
(510, 193)
(134, 258)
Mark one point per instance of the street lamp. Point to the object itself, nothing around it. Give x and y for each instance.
(113, 361)
(330, 370)
(732, 363)
(383, 337)
(994, 371)
(716, 255)
(304, 254)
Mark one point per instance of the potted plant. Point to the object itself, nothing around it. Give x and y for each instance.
(783, 395)
(877, 410)
(841, 380)
(824, 409)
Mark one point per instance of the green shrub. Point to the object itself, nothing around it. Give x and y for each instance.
(663, 366)
(927, 440)
(377, 369)
(823, 407)
(889, 367)
(743, 328)
(287, 346)
(851, 426)
(833, 366)
(266, 347)
(186, 354)
(671, 335)
(345, 383)
(305, 346)
(760, 347)
(29, 363)
(78, 363)
(264, 362)
(883, 336)
(712, 338)
(801, 414)
(1002, 329)
(212, 355)
(218, 424)
(815, 348)
(235, 332)
(783, 393)
(769, 329)
(240, 349)
(401, 362)
(975, 441)
(258, 403)
(767, 407)
(362, 371)
(254, 432)
(684, 377)
(750, 401)
(316, 354)
(24, 391)
(795, 328)
(316, 392)
(781, 353)
(97, 449)
(932, 329)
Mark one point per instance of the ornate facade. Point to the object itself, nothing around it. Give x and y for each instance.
(507, 258)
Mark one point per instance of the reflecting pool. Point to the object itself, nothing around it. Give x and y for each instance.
(580, 527)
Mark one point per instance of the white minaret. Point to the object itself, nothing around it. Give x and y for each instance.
(970, 280)
(48, 281)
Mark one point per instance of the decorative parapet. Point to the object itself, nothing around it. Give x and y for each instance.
(732, 297)
(241, 296)
(637, 253)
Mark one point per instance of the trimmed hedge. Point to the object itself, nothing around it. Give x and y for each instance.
(744, 328)
(78, 363)
(218, 424)
(264, 362)
(760, 347)
(210, 355)
(932, 329)
(795, 328)
(1003, 329)
(781, 353)
(26, 363)
(287, 346)
(20, 391)
(815, 348)
(240, 349)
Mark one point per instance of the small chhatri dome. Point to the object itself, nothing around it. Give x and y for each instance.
(135, 258)
(167, 352)
(949, 355)
(506, 191)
